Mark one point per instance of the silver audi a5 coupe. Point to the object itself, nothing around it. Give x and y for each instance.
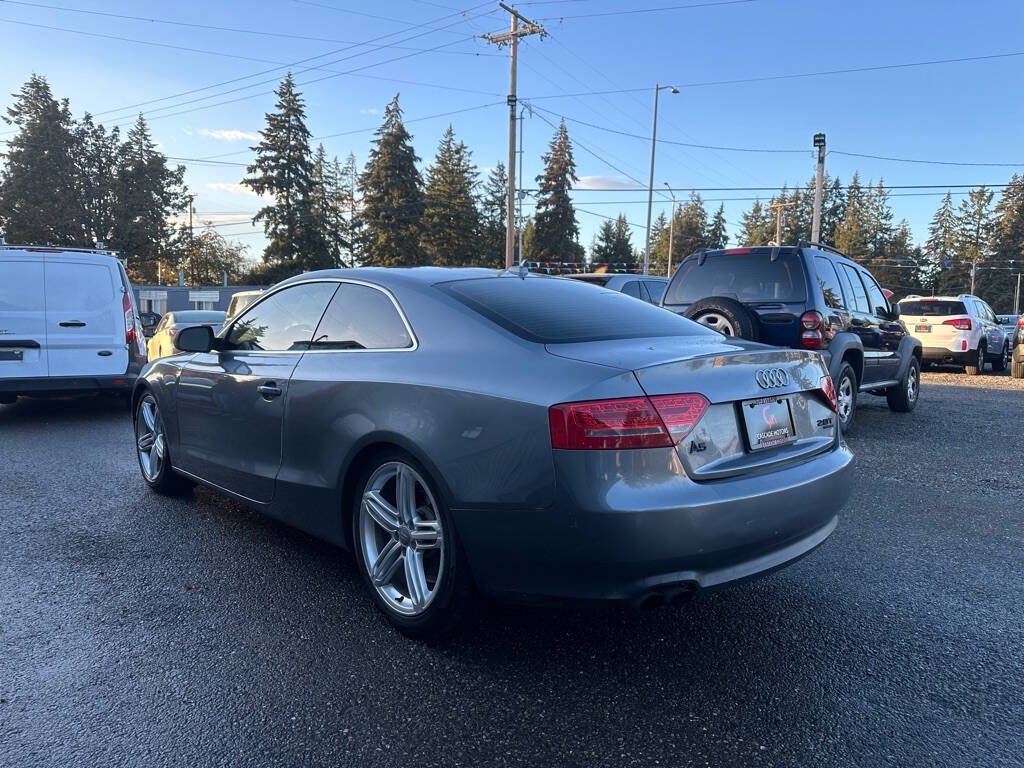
(525, 437)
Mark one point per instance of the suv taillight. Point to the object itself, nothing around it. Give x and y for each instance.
(812, 333)
(960, 323)
(129, 319)
(624, 423)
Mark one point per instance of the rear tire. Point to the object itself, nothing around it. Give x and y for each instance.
(1003, 362)
(979, 365)
(1017, 370)
(424, 548)
(846, 396)
(903, 397)
(725, 315)
(152, 452)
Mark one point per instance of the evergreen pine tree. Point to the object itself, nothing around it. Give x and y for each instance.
(38, 199)
(757, 226)
(833, 209)
(851, 236)
(392, 196)
(148, 193)
(96, 175)
(622, 244)
(451, 221)
(690, 228)
(717, 236)
(879, 221)
(940, 247)
(975, 226)
(658, 262)
(556, 235)
(492, 219)
(603, 247)
(283, 171)
(999, 286)
(344, 199)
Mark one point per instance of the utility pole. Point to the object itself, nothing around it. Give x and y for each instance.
(671, 228)
(974, 268)
(511, 38)
(522, 193)
(819, 182)
(777, 207)
(1016, 297)
(650, 181)
(191, 254)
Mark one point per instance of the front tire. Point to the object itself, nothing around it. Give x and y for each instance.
(407, 548)
(979, 364)
(151, 450)
(902, 398)
(846, 397)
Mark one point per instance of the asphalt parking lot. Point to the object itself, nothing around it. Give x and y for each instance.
(136, 630)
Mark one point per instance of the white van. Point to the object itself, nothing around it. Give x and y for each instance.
(68, 322)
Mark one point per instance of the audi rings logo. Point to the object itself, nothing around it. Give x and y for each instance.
(770, 378)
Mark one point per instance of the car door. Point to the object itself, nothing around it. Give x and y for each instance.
(890, 330)
(85, 320)
(994, 333)
(231, 401)
(864, 323)
(22, 317)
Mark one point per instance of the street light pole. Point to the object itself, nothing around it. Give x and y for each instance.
(650, 181)
(671, 228)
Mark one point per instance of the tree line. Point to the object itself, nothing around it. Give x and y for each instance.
(73, 182)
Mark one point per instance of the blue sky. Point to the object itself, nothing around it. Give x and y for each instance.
(966, 112)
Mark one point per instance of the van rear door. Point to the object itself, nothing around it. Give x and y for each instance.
(85, 327)
(22, 316)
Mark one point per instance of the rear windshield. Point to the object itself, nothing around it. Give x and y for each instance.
(745, 277)
(553, 310)
(198, 316)
(932, 308)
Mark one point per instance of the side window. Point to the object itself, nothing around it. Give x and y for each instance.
(284, 321)
(859, 295)
(74, 288)
(360, 317)
(878, 304)
(829, 282)
(632, 288)
(656, 288)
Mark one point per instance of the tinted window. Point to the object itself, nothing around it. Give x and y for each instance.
(198, 316)
(656, 288)
(749, 277)
(83, 287)
(860, 296)
(359, 317)
(936, 308)
(632, 288)
(829, 282)
(552, 310)
(284, 321)
(876, 298)
(21, 285)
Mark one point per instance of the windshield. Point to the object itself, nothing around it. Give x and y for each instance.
(554, 310)
(932, 308)
(745, 277)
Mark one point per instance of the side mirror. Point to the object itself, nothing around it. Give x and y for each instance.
(198, 338)
(893, 313)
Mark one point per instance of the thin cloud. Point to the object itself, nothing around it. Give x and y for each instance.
(230, 134)
(604, 182)
(226, 186)
(369, 111)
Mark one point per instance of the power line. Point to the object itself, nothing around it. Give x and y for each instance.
(775, 188)
(925, 162)
(632, 11)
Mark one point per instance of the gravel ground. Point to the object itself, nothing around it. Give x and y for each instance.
(141, 631)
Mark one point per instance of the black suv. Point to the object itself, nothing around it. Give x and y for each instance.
(808, 296)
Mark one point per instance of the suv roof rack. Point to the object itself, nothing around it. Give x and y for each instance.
(99, 249)
(821, 246)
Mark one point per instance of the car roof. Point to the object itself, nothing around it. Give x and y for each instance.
(412, 276)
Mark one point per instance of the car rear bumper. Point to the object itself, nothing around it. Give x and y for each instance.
(67, 385)
(943, 355)
(639, 524)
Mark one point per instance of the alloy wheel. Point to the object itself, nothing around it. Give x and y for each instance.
(402, 537)
(149, 438)
(1006, 357)
(912, 383)
(845, 398)
(981, 359)
(717, 322)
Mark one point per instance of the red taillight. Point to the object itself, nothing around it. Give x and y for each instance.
(129, 320)
(828, 389)
(960, 323)
(625, 423)
(1020, 322)
(812, 335)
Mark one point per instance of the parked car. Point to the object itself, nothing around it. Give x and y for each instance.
(149, 322)
(805, 297)
(1010, 324)
(240, 301)
(162, 342)
(463, 429)
(962, 330)
(1017, 359)
(68, 323)
(646, 287)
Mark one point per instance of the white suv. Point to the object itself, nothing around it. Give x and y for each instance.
(68, 322)
(961, 330)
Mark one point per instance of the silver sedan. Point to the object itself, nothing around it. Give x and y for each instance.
(525, 437)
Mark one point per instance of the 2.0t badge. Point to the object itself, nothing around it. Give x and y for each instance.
(770, 378)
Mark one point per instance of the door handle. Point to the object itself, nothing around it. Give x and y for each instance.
(72, 324)
(269, 391)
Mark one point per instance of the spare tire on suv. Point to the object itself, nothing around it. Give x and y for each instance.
(725, 315)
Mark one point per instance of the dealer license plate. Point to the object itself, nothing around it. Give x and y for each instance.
(769, 422)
